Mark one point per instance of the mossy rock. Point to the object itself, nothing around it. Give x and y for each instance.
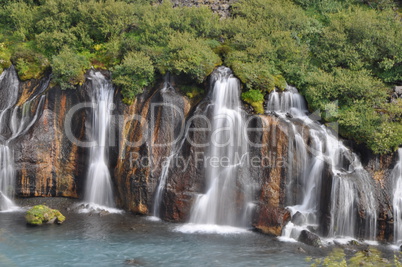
(43, 214)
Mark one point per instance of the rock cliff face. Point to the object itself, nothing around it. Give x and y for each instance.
(50, 163)
(380, 168)
(270, 215)
(147, 133)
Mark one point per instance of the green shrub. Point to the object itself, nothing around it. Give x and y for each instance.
(190, 56)
(255, 98)
(133, 74)
(280, 82)
(367, 257)
(68, 68)
(5, 57)
(192, 91)
(28, 63)
(253, 75)
(51, 43)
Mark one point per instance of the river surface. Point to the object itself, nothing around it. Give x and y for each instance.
(126, 239)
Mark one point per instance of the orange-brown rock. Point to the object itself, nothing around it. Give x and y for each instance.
(48, 164)
(147, 130)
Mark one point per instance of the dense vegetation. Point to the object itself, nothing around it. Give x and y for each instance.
(356, 257)
(343, 55)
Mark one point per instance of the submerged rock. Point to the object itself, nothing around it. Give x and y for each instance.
(43, 214)
(134, 262)
(310, 239)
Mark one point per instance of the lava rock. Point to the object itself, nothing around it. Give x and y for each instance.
(310, 239)
(298, 219)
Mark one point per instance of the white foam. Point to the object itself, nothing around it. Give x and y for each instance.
(91, 207)
(13, 209)
(346, 240)
(287, 239)
(371, 242)
(331, 241)
(191, 228)
(153, 219)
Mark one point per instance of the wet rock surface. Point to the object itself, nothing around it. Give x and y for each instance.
(310, 239)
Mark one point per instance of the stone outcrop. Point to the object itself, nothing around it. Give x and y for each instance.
(310, 239)
(397, 92)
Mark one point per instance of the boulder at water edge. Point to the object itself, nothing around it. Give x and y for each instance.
(310, 239)
(43, 214)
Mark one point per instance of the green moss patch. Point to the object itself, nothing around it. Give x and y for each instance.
(43, 214)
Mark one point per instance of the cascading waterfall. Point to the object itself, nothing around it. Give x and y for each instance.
(166, 165)
(161, 186)
(228, 147)
(15, 121)
(7, 174)
(99, 189)
(397, 201)
(308, 158)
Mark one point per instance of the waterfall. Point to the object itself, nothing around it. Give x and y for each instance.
(165, 165)
(7, 177)
(15, 121)
(397, 201)
(227, 195)
(312, 155)
(99, 190)
(161, 186)
(288, 101)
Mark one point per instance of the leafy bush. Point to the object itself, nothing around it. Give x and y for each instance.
(133, 74)
(190, 56)
(367, 257)
(68, 68)
(5, 57)
(362, 39)
(191, 91)
(29, 64)
(255, 98)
